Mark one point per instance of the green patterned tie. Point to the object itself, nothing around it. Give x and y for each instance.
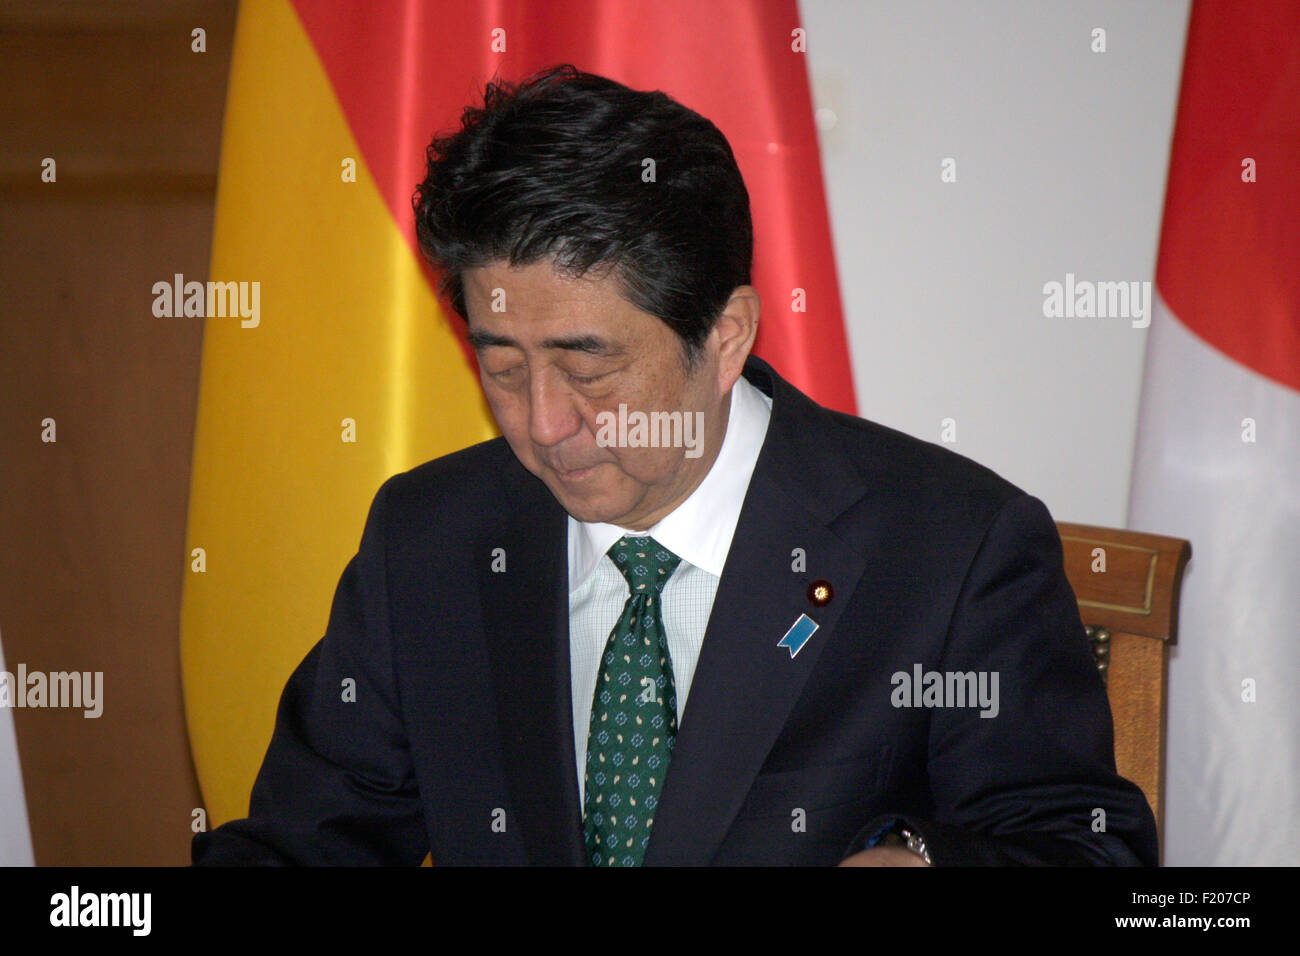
(633, 714)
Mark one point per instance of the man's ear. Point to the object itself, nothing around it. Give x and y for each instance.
(734, 332)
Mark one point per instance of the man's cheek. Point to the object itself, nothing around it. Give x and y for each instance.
(494, 403)
(649, 466)
(510, 417)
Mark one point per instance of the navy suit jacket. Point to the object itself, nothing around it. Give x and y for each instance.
(460, 740)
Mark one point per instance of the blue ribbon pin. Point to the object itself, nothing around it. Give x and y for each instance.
(798, 635)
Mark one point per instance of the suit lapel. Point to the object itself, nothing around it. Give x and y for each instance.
(745, 685)
(526, 625)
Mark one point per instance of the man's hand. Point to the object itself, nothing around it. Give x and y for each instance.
(885, 855)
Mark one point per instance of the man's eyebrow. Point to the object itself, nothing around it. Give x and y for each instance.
(590, 344)
(480, 340)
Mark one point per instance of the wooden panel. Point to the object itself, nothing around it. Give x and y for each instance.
(1136, 688)
(92, 528)
(1138, 590)
(129, 103)
(1125, 585)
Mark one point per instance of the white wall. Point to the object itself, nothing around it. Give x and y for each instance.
(1061, 157)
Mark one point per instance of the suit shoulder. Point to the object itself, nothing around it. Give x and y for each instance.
(927, 474)
(468, 481)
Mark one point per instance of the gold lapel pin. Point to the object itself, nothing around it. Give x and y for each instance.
(820, 593)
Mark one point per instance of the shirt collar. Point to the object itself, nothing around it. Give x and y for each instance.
(700, 529)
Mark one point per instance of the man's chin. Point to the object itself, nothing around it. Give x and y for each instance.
(589, 505)
(585, 510)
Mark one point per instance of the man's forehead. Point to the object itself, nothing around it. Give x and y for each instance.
(499, 297)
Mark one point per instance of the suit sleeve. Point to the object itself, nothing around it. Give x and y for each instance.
(1036, 782)
(336, 786)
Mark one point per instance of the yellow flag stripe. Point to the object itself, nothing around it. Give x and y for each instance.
(348, 329)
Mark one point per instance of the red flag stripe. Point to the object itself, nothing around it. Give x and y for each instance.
(1229, 264)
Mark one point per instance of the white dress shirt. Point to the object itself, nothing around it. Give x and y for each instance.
(699, 531)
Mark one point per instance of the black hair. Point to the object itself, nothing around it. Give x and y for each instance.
(553, 168)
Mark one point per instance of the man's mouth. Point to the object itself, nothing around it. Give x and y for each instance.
(577, 474)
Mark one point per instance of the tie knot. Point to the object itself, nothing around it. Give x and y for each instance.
(645, 563)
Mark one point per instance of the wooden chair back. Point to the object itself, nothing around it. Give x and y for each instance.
(1127, 584)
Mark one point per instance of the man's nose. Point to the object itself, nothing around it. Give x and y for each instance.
(552, 416)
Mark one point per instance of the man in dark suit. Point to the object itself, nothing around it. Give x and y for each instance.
(767, 633)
